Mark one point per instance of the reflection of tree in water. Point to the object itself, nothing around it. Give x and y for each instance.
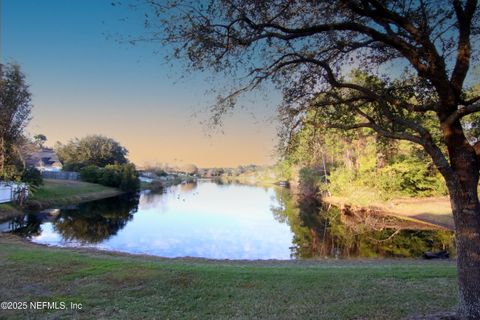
(27, 225)
(96, 221)
(325, 232)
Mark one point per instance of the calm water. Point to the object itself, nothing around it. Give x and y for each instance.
(221, 221)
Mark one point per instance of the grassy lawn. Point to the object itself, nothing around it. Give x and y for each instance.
(55, 189)
(115, 286)
(62, 192)
(57, 193)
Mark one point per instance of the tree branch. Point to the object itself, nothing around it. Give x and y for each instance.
(462, 112)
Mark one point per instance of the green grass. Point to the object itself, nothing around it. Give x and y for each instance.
(62, 192)
(54, 189)
(57, 193)
(115, 286)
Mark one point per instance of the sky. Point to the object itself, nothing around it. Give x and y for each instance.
(85, 81)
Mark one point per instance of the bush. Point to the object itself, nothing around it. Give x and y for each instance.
(111, 176)
(129, 179)
(90, 174)
(410, 178)
(122, 176)
(32, 176)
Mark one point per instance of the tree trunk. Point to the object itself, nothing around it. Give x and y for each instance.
(463, 189)
(466, 212)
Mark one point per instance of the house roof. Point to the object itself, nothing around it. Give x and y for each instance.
(42, 157)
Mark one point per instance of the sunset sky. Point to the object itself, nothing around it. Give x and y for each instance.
(84, 81)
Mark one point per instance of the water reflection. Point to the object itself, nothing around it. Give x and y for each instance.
(86, 223)
(225, 221)
(321, 231)
(96, 221)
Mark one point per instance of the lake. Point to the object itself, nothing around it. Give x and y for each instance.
(214, 220)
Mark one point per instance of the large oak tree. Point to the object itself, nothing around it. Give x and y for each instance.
(415, 57)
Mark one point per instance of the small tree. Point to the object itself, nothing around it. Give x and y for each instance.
(40, 139)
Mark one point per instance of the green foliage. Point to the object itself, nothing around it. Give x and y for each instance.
(90, 173)
(40, 139)
(15, 108)
(309, 181)
(32, 176)
(410, 177)
(94, 150)
(122, 176)
(361, 164)
(10, 173)
(283, 171)
(111, 176)
(129, 178)
(341, 180)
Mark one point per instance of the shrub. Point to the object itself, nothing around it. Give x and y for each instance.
(129, 179)
(90, 174)
(122, 176)
(111, 176)
(32, 176)
(411, 178)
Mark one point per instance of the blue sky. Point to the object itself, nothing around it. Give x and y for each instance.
(84, 81)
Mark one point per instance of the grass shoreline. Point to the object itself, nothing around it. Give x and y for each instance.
(56, 193)
(125, 286)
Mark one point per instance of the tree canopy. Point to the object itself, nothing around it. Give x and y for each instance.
(94, 150)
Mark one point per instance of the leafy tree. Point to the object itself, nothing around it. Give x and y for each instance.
(15, 107)
(305, 47)
(40, 139)
(94, 150)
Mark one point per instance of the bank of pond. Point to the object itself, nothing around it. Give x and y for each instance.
(211, 219)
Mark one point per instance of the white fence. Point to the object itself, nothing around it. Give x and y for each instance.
(10, 191)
